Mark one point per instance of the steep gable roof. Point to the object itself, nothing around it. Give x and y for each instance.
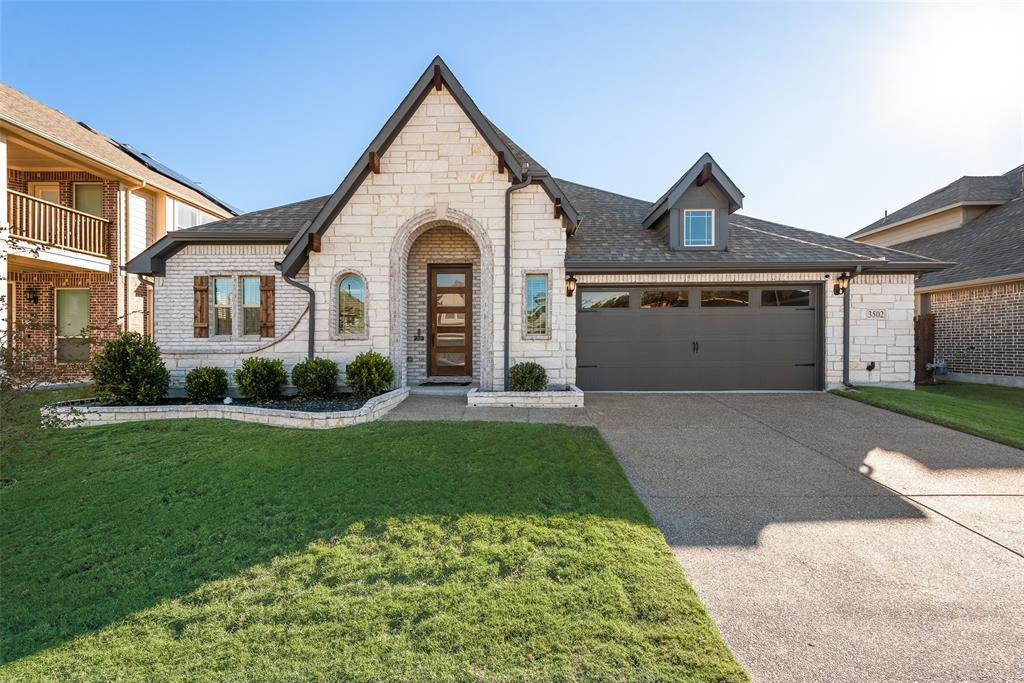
(667, 200)
(34, 117)
(437, 73)
(996, 189)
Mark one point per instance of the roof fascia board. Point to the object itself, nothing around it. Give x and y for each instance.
(296, 253)
(967, 284)
(750, 266)
(123, 173)
(919, 216)
(153, 260)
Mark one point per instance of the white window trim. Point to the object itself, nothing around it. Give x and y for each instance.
(336, 301)
(526, 336)
(714, 228)
(56, 328)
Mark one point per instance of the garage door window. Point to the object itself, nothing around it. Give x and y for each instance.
(664, 298)
(590, 301)
(724, 298)
(786, 297)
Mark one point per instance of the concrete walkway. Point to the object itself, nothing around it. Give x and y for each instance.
(830, 540)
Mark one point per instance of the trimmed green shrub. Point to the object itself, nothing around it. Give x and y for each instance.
(128, 371)
(261, 379)
(527, 377)
(370, 374)
(206, 385)
(316, 377)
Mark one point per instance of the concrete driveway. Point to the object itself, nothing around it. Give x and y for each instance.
(830, 540)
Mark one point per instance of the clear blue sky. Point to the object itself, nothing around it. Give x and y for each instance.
(824, 115)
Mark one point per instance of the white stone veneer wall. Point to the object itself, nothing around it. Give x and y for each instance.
(438, 170)
(888, 342)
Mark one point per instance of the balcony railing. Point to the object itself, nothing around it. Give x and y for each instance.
(43, 222)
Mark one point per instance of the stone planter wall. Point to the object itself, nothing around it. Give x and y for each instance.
(93, 415)
(568, 398)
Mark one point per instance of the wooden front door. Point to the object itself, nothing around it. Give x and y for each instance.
(450, 313)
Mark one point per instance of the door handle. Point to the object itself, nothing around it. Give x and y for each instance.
(696, 347)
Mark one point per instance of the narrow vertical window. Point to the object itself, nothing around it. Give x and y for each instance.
(351, 305)
(72, 325)
(250, 306)
(223, 303)
(698, 227)
(536, 304)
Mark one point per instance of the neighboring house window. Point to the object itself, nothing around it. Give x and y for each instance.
(48, 192)
(536, 305)
(223, 303)
(351, 305)
(72, 325)
(250, 306)
(698, 227)
(186, 216)
(89, 198)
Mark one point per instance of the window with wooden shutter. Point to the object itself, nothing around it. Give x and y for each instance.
(201, 306)
(267, 305)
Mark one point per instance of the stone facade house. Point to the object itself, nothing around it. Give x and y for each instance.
(977, 305)
(453, 252)
(77, 206)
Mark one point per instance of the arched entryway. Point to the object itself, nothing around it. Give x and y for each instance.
(442, 303)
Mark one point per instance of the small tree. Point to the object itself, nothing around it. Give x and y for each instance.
(129, 371)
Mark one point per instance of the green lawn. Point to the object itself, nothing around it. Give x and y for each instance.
(996, 413)
(216, 550)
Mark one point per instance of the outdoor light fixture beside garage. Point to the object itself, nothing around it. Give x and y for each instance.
(570, 284)
(841, 283)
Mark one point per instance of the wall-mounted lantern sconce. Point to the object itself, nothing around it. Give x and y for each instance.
(32, 295)
(570, 284)
(840, 284)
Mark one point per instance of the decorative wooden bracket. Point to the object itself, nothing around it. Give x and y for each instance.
(558, 208)
(705, 175)
(501, 162)
(374, 162)
(314, 241)
(437, 77)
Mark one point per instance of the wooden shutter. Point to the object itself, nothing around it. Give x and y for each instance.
(201, 306)
(267, 305)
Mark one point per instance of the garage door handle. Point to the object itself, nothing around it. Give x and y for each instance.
(585, 366)
(804, 365)
(696, 347)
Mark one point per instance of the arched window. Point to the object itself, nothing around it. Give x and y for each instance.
(351, 305)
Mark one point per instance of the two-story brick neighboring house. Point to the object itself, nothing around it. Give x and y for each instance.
(77, 206)
(451, 250)
(978, 304)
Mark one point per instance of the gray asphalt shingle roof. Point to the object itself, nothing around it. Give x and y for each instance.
(611, 232)
(992, 245)
(278, 221)
(995, 189)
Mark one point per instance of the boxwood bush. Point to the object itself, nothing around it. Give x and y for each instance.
(370, 374)
(206, 385)
(527, 377)
(261, 379)
(128, 371)
(316, 377)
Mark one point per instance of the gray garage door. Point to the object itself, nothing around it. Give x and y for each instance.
(709, 338)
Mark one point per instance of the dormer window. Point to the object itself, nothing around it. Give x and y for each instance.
(698, 227)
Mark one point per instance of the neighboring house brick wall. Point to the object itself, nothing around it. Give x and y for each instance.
(980, 330)
(888, 342)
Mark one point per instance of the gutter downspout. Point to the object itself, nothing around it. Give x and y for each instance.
(846, 328)
(508, 263)
(312, 307)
